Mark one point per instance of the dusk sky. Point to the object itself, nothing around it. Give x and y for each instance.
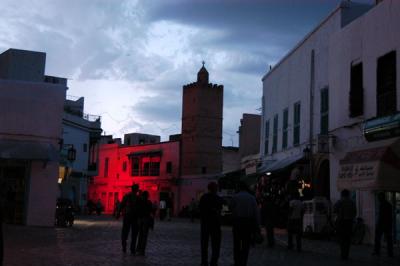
(130, 58)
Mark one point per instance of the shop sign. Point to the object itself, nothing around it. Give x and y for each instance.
(382, 127)
(359, 171)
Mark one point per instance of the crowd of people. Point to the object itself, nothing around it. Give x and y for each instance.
(247, 219)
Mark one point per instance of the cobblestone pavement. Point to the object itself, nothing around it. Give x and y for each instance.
(95, 241)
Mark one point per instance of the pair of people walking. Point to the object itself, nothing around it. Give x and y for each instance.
(245, 217)
(137, 211)
(345, 210)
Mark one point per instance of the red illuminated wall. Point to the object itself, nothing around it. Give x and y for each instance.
(155, 167)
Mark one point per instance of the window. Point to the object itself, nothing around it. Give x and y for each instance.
(106, 167)
(324, 112)
(124, 166)
(266, 143)
(84, 147)
(356, 98)
(154, 168)
(275, 134)
(296, 124)
(146, 169)
(169, 167)
(386, 85)
(285, 128)
(135, 166)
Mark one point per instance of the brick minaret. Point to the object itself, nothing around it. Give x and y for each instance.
(202, 127)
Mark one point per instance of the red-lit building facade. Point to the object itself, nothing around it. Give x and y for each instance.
(179, 169)
(154, 167)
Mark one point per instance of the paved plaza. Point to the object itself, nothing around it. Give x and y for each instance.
(96, 241)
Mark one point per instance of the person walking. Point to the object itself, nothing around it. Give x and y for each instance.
(192, 210)
(295, 221)
(210, 224)
(129, 207)
(245, 217)
(145, 212)
(345, 211)
(163, 209)
(269, 213)
(384, 225)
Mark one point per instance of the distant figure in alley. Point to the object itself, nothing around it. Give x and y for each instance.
(345, 211)
(210, 215)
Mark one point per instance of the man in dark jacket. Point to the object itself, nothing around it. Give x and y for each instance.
(384, 225)
(345, 211)
(269, 213)
(245, 215)
(129, 207)
(210, 215)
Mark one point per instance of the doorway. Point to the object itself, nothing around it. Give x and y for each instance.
(13, 176)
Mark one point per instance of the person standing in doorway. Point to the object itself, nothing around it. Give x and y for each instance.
(345, 211)
(129, 207)
(295, 221)
(210, 215)
(245, 216)
(384, 225)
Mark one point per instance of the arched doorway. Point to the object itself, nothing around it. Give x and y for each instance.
(323, 180)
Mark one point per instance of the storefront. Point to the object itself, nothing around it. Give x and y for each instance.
(368, 171)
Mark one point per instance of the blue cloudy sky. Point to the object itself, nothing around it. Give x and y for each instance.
(130, 58)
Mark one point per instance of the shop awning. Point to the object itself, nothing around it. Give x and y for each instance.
(375, 169)
(28, 150)
(278, 165)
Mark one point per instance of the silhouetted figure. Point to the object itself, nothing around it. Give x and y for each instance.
(116, 208)
(345, 210)
(2, 207)
(163, 209)
(145, 212)
(210, 215)
(245, 222)
(168, 204)
(129, 207)
(269, 213)
(295, 221)
(384, 225)
(192, 210)
(99, 207)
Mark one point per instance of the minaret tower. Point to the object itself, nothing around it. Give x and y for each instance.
(202, 128)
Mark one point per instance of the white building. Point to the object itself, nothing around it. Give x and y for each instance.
(336, 96)
(81, 134)
(294, 118)
(364, 100)
(31, 106)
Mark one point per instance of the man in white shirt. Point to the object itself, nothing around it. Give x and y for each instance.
(295, 221)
